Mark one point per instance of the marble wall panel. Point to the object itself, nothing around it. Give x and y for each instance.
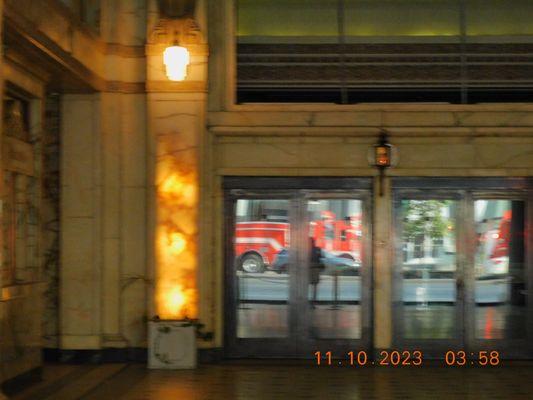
(111, 276)
(133, 278)
(133, 141)
(77, 163)
(370, 118)
(505, 155)
(413, 153)
(81, 251)
(418, 119)
(507, 118)
(80, 302)
(132, 17)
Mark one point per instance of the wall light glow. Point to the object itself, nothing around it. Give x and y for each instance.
(177, 197)
(176, 60)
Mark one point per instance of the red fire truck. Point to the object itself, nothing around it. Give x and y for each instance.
(258, 243)
(495, 245)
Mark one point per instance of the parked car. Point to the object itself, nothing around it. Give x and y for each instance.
(331, 263)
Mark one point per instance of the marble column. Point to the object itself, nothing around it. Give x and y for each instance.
(176, 130)
(382, 265)
(123, 132)
(80, 226)
(104, 194)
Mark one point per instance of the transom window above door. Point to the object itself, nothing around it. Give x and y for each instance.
(353, 51)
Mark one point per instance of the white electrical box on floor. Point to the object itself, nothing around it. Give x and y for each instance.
(171, 345)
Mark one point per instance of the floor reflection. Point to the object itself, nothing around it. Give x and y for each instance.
(262, 320)
(263, 380)
(433, 321)
(503, 321)
(270, 321)
(337, 322)
(429, 321)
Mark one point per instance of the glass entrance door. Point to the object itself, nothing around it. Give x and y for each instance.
(262, 237)
(297, 273)
(501, 315)
(429, 273)
(462, 280)
(334, 261)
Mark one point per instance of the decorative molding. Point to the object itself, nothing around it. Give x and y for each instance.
(194, 49)
(55, 61)
(176, 87)
(30, 49)
(124, 87)
(22, 37)
(184, 31)
(66, 12)
(435, 133)
(176, 24)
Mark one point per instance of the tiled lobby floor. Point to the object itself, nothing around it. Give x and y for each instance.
(275, 380)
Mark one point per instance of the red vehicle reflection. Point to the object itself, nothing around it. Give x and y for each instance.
(257, 243)
(495, 245)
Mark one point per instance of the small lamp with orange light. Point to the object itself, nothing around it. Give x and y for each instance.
(382, 155)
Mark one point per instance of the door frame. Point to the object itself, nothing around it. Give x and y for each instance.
(297, 344)
(468, 190)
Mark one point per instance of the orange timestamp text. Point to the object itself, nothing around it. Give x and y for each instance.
(414, 358)
(361, 358)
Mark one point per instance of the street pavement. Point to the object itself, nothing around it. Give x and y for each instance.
(270, 286)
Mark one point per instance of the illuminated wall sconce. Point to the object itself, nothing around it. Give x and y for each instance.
(177, 32)
(176, 59)
(382, 155)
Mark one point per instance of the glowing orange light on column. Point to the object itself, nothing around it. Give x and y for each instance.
(177, 197)
(176, 298)
(172, 185)
(176, 243)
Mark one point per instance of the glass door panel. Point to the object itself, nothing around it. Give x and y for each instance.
(335, 248)
(500, 270)
(463, 280)
(428, 269)
(297, 280)
(261, 248)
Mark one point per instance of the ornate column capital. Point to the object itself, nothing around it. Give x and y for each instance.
(184, 31)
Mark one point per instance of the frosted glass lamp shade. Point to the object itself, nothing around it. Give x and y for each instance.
(176, 60)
